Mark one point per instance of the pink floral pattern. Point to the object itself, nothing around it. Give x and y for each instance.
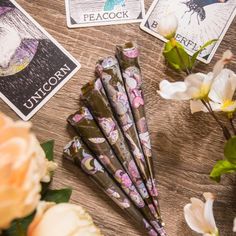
(109, 128)
(132, 53)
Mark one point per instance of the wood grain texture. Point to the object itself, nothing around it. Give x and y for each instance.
(185, 146)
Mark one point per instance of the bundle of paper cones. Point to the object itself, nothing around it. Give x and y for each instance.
(113, 143)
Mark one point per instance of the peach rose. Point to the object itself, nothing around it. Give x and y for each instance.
(62, 220)
(22, 166)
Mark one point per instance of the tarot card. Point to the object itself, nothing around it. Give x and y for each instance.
(33, 66)
(199, 22)
(103, 12)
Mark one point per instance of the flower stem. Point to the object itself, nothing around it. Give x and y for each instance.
(181, 59)
(224, 129)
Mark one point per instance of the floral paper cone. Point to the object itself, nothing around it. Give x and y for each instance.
(109, 72)
(78, 152)
(128, 59)
(87, 128)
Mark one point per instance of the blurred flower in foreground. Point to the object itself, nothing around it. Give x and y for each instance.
(234, 228)
(62, 220)
(22, 167)
(167, 26)
(199, 216)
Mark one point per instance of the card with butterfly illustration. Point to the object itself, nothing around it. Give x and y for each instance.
(199, 22)
(103, 12)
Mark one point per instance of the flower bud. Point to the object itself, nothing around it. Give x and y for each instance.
(167, 26)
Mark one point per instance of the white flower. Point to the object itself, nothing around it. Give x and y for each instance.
(217, 86)
(199, 216)
(167, 26)
(195, 86)
(234, 228)
(221, 93)
(62, 220)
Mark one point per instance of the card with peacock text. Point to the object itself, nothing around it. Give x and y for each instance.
(33, 65)
(199, 22)
(103, 12)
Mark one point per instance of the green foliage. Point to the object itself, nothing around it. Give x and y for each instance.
(229, 164)
(19, 227)
(58, 196)
(220, 168)
(178, 58)
(230, 150)
(48, 148)
(195, 55)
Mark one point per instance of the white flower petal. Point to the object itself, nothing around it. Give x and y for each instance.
(216, 106)
(176, 90)
(208, 211)
(198, 85)
(196, 106)
(223, 87)
(192, 221)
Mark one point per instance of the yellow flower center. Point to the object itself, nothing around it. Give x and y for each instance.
(202, 92)
(227, 104)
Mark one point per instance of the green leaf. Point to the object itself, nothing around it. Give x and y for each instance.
(230, 150)
(19, 227)
(220, 168)
(176, 56)
(48, 149)
(58, 196)
(195, 55)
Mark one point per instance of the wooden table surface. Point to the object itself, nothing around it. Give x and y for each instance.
(185, 146)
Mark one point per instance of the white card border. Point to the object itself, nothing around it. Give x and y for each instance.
(58, 87)
(71, 26)
(217, 44)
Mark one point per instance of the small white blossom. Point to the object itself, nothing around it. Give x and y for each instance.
(199, 216)
(167, 26)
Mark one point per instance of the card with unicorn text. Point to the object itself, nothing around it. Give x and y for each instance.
(103, 12)
(199, 22)
(33, 66)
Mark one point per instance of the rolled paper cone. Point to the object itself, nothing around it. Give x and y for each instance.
(78, 152)
(110, 75)
(127, 55)
(96, 99)
(90, 133)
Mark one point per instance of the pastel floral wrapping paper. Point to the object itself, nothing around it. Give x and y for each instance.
(127, 55)
(86, 127)
(109, 72)
(78, 152)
